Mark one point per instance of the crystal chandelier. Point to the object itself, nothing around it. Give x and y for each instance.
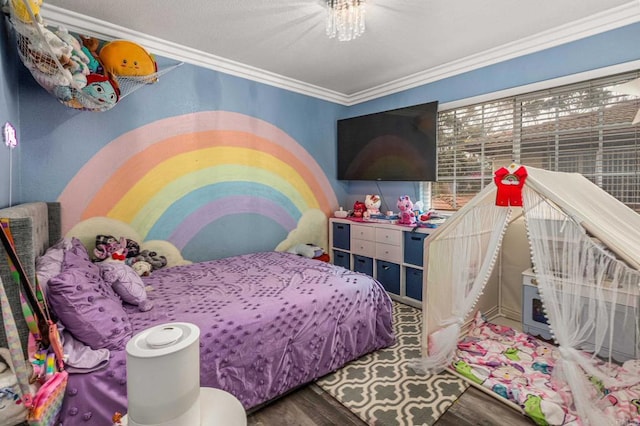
(345, 19)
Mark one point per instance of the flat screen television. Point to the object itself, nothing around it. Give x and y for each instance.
(395, 145)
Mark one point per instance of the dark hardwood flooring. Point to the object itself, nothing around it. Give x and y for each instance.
(311, 406)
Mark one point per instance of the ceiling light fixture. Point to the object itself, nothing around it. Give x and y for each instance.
(345, 19)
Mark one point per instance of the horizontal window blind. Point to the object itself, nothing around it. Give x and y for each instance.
(584, 128)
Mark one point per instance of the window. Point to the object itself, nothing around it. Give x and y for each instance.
(584, 128)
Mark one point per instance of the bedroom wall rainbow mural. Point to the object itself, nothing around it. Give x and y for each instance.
(173, 178)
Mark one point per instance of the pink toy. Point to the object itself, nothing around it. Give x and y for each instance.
(407, 216)
(111, 249)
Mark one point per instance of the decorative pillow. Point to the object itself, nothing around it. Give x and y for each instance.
(126, 283)
(76, 296)
(84, 303)
(50, 263)
(78, 258)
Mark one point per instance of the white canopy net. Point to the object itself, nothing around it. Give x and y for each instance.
(589, 295)
(590, 298)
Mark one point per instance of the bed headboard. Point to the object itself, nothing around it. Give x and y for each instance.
(35, 227)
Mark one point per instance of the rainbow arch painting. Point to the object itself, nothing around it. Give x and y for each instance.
(174, 178)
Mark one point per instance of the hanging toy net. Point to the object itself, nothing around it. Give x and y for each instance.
(81, 72)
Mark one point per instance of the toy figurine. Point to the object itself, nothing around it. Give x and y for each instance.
(358, 209)
(407, 215)
(372, 202)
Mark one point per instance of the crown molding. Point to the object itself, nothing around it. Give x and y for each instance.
(83, 24)
(611, 19)
(620, 16)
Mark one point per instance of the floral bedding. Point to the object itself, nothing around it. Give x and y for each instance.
(519, 367)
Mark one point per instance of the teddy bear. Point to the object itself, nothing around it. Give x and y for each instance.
(372, 202)
(407, 215)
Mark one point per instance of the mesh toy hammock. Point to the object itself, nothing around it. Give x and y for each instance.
(58, 63)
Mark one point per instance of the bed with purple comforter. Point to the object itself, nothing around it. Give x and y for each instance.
(269, 322)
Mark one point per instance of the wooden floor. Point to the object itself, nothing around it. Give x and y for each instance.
(311, 406)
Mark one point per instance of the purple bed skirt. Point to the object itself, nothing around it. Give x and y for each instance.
(269, 322)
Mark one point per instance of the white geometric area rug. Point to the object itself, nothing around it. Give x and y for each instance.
(382, 390)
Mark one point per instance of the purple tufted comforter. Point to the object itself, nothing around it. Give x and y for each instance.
(269, 322)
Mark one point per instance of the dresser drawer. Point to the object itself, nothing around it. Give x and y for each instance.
(363, 264)
(388, 236)
(389, 252)
(389, 276)
(413, 283)
(414, 247)
(363, 247)
(361, 232)
(341, 235)
(341, 258)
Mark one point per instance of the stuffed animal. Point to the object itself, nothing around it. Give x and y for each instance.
(36, 44)
(108, 248)
(306, 250)
(100, 93)
(90, 46)
(19, 10)
(359, 208)
(372, 202)
(78, 56)
(407, 215)
(154, 259)
(142, 268)
(133, 248)
(126, 58)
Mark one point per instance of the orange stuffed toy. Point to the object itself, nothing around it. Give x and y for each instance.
(128, 59)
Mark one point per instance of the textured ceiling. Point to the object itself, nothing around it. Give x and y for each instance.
(404, 39)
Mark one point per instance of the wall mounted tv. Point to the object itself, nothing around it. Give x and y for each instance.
(395, 145)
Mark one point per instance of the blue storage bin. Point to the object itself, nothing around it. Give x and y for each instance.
(363, 264)
(342, 236)
(341, 258)
(413, 280)
(389, 276)
(414, 247)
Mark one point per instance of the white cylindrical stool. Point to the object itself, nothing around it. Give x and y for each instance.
(163, 382)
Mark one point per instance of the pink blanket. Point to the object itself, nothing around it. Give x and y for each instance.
(519, 367)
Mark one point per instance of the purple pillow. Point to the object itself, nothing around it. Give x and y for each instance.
(77, 258)
(86, 304)
(126, 283)
(48, 266)
(50, 263)
(77, 297)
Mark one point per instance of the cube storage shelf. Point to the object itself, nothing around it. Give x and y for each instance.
(393, 254)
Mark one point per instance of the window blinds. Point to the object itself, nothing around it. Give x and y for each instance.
(583, 128)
